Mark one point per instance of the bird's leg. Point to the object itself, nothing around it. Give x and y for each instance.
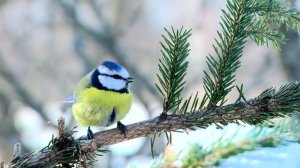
(90, 134)
(122, 128)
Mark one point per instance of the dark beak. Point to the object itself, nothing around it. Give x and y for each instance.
(129, 80)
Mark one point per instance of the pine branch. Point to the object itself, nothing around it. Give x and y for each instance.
(62, 151)
(262, 35)
(259, 20)
(244, 18)
(223, 148)
(173, 66)
(269, 104)
(218, 82)
(269, 17)
(199, 157)
(275, 13)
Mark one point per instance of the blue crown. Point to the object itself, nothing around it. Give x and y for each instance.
(112, 65)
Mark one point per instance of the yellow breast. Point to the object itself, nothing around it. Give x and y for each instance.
(94, 106)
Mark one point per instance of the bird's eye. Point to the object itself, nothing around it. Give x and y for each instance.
(117, 76)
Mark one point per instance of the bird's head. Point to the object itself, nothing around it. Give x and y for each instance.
(111, 76)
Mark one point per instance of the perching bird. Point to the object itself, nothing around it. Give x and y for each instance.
(102, 97)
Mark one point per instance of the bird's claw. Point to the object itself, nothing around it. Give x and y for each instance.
(122, 128)
(90, 134)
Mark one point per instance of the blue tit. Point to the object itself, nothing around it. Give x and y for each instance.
(102, 97)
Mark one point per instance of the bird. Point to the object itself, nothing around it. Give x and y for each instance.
(102, 97)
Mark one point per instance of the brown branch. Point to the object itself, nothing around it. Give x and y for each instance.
(67, 150)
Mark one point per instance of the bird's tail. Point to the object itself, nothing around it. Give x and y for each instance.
(67, 103)
(69, 100)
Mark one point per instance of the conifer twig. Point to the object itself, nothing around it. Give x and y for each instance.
(218, 82)
(269, 104)
(173, 66)
(243, 19)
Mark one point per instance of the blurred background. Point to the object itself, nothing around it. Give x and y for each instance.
(47, 46)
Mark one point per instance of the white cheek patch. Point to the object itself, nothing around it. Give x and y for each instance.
(111, 83)
(104, 70)
(124, 73)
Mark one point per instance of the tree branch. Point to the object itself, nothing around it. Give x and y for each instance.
(65, 150)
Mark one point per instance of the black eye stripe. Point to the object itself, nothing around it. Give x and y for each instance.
(95, 82)
(115, 76)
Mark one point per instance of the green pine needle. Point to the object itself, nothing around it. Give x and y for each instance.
(218, 80)
(173, 66)
(223, 148)
(261, 21)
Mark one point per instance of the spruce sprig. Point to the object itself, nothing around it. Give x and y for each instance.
(173, 66)
(218, 80)
(269, 18)
(258, 137)
(259, 20)
(275, 13)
